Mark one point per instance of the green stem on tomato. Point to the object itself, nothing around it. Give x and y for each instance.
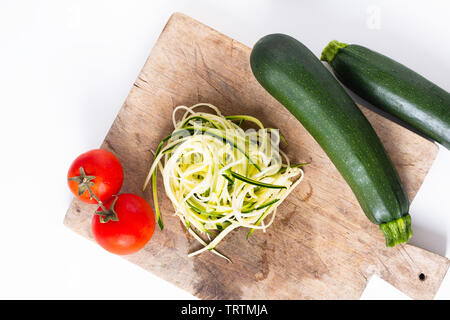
(84, 184)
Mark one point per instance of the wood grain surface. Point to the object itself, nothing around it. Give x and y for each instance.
(321, 245)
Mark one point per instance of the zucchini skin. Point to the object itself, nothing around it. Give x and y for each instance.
(392, 87)
(291, 73)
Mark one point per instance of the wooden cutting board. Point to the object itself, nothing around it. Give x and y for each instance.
(321, 245)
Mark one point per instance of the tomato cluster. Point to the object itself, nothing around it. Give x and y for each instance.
(123, 223)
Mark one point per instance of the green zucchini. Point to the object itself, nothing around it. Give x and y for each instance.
(392, 87)
(254, 182)
(264, 205)
(295, 77)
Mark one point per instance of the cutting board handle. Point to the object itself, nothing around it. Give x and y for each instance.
(415, 271)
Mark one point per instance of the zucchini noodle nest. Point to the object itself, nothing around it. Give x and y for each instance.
(220, 177)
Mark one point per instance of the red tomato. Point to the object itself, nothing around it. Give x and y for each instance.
(133, 229)
(102, 172)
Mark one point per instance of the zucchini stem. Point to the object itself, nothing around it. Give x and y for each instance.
(331, 50)
(397, 231)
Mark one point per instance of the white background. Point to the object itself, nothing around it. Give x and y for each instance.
(67, 66)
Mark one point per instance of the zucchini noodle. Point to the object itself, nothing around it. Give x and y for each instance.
(220, 177)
